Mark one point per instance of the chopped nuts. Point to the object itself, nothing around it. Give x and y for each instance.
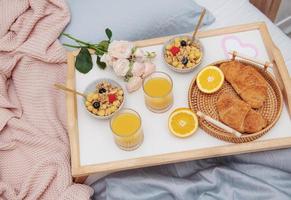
(181, 53)
(90, 108)
(105, 100)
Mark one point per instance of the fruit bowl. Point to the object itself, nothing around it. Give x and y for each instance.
(181, 55)
(105, 97)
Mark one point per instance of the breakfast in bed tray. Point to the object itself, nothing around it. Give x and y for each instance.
(235, 100)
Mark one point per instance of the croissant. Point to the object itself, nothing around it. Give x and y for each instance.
(239, 115)
(247, 82)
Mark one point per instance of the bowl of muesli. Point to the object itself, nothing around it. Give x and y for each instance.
(183, 55)
(104, 98)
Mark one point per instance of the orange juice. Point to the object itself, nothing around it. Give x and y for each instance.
(158, 93)
(157, 87)
(126, 127)
(125, 124)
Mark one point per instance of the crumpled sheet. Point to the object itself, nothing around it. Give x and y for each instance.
(264, 175)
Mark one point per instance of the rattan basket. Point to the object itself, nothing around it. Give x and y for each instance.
(206, 103)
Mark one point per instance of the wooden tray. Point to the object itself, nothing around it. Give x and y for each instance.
(206, 103)
(94, 151)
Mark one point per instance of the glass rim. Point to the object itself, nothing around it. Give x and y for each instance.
(157, 72)
(124, 111)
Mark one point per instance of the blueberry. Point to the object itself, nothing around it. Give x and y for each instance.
(184, 60)
(96, 104)
(102, 90)
(183, 43)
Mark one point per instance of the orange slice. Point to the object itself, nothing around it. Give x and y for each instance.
(210, 79)
(183, 122)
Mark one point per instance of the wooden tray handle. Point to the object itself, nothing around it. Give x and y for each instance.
(282, 75)
(259, 62)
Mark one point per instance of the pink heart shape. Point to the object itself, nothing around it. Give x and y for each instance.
(233, 43)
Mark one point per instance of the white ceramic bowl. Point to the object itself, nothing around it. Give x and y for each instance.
(184, 70)
(92, 87)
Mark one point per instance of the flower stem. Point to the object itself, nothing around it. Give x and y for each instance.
(75, 39)
(83, 44)
(96, 48)
(73, 46)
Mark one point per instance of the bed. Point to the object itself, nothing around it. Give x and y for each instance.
(274, 164)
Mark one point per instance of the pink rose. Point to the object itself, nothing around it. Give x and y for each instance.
(137, 69)
(139, 55)
(121, 67)
(106, 58)
(134, 84)
(149, 68)
(120, 49)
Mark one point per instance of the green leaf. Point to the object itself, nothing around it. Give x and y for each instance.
(84, 61)
(101, 65)
(99, 52)
(133, 50)
(108, 33)
(128, 74)
(103, 45)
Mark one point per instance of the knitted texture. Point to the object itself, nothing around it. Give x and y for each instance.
(34, 146)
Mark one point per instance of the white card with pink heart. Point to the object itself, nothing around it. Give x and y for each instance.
(248, 43)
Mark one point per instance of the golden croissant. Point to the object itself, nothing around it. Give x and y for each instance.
(247, 82)
(239, 115)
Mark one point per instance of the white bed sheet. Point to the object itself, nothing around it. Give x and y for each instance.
(235, 12)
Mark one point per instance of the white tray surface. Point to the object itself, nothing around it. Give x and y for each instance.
(96, 140)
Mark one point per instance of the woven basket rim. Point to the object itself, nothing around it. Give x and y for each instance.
(244, 137)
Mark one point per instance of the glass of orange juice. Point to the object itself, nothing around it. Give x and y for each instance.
(158, 93)
(127, 129)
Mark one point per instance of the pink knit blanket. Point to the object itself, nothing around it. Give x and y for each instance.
(34, 146)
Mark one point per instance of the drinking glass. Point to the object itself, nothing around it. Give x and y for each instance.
(158, 93)
(126, 126)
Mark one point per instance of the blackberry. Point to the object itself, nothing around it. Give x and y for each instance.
(96, 104)
(102, 90)
(184, 61)
(183, 43)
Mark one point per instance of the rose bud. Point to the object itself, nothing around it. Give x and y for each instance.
(134, 84)
(138, 69)
(149, 68)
